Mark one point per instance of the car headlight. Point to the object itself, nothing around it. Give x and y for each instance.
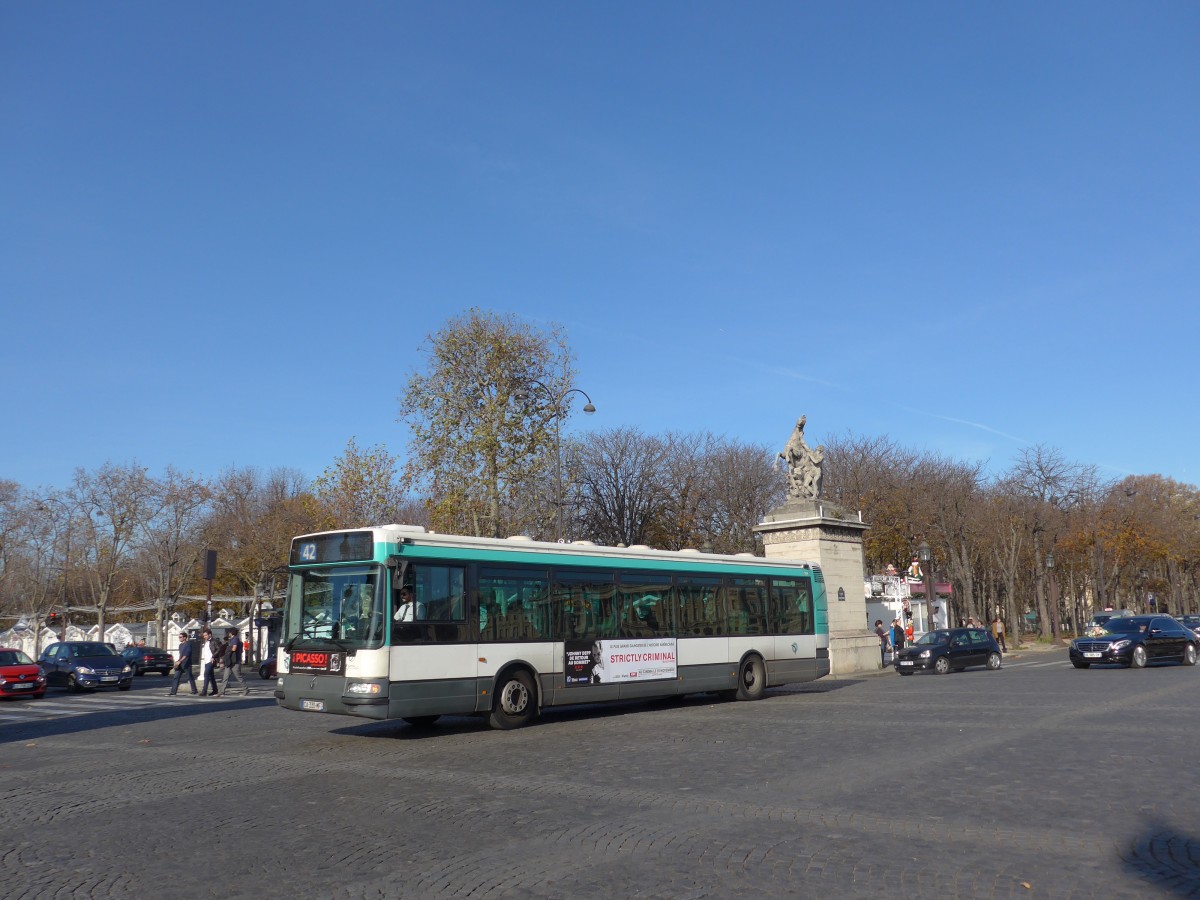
(1120, 645)
(925, 654)
(84, 670)
(126, 670)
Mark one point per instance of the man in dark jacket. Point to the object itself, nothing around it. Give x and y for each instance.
(183, 666)
(233, 661)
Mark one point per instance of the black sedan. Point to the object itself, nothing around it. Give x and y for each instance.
(1134, 641)
(85, 665)
(148, 659)
(947, 649)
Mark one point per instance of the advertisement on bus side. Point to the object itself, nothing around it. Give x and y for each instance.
(622, 660)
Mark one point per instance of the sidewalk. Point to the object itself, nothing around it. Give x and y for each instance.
(1037, 647)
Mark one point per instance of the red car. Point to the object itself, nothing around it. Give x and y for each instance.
(20, 676)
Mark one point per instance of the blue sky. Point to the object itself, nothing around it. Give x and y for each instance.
(226, 228)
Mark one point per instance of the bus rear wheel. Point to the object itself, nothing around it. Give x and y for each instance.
(514, 704)
(752, 679)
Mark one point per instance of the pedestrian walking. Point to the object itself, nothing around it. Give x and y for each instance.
(210, 651)
(883, 643)
(233, 662)
(998, 633)
(184, 665)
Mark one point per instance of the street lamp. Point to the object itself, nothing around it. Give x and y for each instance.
(925, 555)
(1050, 574)
(557, 401)
(66, 559)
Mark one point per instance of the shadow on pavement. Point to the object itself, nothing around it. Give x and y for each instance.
(1166, 859)
(400, 730)
(72, 723)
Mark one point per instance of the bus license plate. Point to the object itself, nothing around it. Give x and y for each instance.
(313, 705)
(1093, 655)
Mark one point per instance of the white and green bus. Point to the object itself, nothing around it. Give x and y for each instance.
(394, 622)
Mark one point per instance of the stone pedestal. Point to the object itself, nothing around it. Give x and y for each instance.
(820, 532)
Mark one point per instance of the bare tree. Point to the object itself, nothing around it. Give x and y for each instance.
(741, 484)
(113, 502)
(1053, 486)
(172, 540)
(621, 488)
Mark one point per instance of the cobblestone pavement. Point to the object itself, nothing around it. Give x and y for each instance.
(1034, 781)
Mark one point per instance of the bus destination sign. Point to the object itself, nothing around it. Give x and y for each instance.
(342, 546)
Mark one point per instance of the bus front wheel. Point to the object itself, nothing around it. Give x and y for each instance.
(515, 702)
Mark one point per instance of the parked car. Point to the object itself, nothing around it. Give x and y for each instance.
(267, 669)
(946, 649)
(1135, 641)
(85, 665)
(20, 676)
(146, 659)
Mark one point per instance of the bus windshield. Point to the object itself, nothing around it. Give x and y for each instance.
(343, 606)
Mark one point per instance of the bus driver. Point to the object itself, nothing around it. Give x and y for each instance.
(408, 609)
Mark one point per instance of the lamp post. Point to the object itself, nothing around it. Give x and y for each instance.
(925, 555)
(66, 559)
(1050, 575)
(557, 401)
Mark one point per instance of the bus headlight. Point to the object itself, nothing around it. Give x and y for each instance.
(364, 688)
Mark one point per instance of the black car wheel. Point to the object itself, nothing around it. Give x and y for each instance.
(73, 684)
(1189, 654)
(264, 672)
(942, 666)
(993, 661)
(1137, 659)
